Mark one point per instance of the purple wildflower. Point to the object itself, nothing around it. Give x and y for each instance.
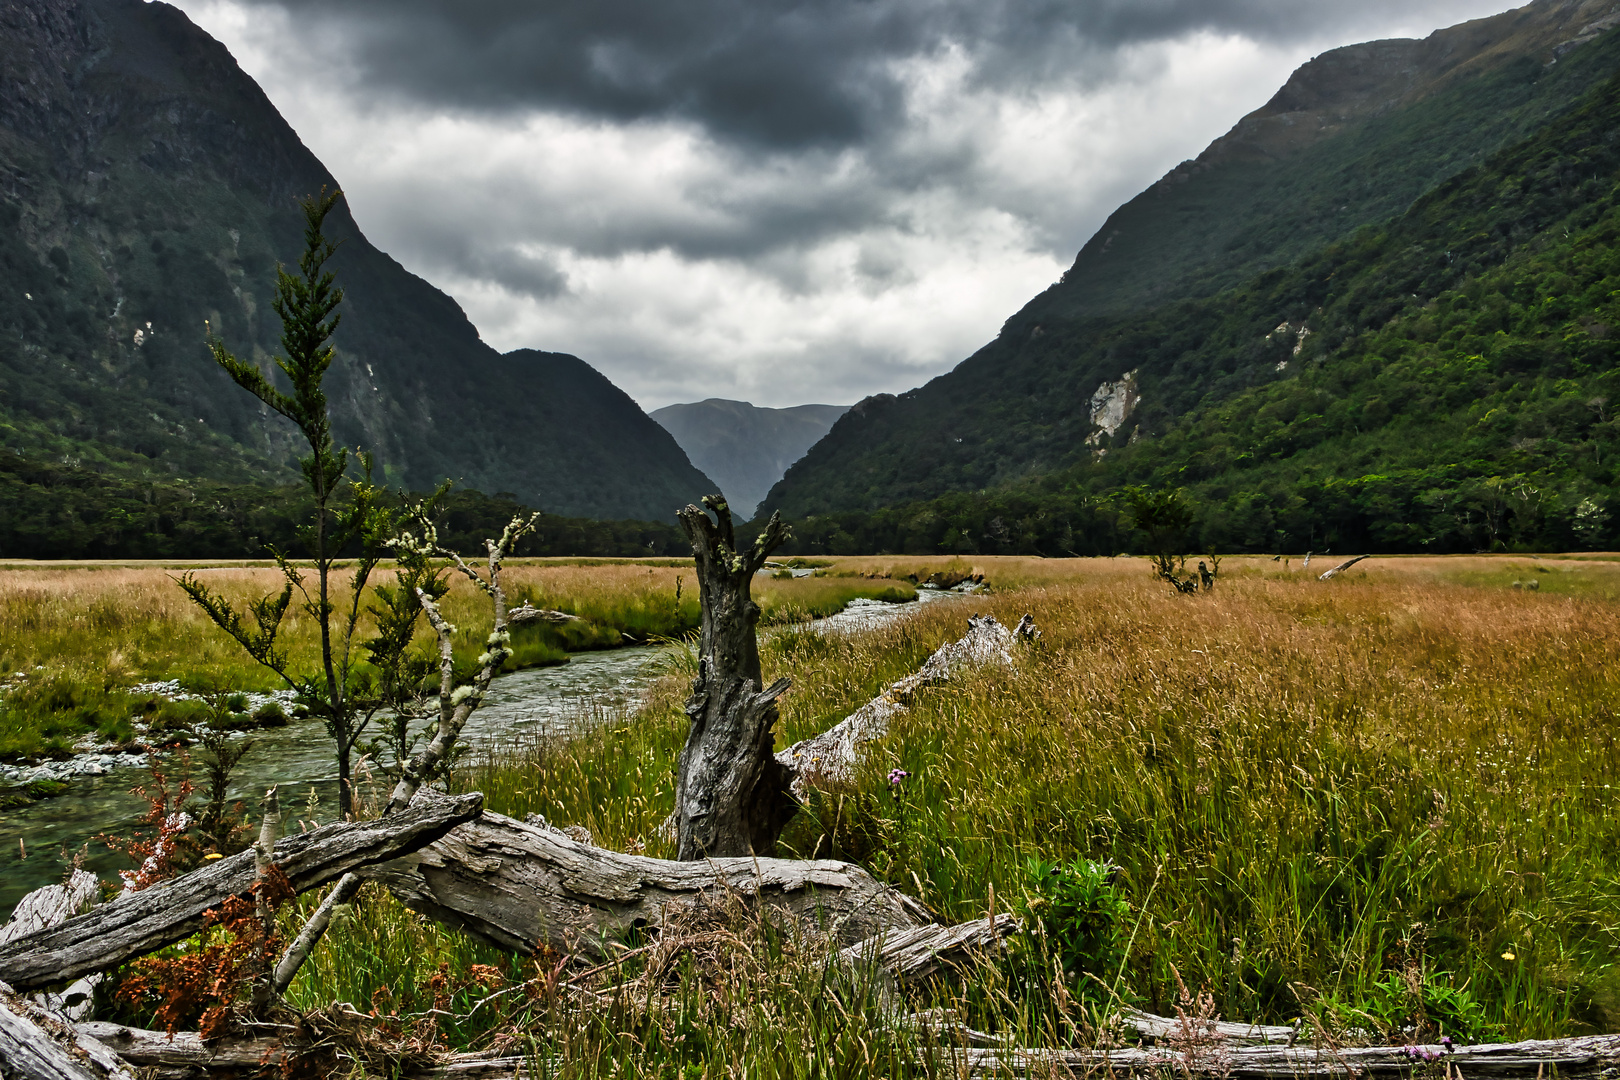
(896, 776)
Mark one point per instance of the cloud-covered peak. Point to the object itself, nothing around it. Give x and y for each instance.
(765, 200)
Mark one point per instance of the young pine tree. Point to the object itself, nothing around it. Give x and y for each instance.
(344, 697)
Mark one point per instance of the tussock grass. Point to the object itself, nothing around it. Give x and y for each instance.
(1309, 786)
(1313, 790)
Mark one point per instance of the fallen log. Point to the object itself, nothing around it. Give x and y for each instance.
(1151, 1026)
(521, 886)
(187, 1048)
(1341, 568)
(832, 755)
(529, 613)
(37, 1045)
(186, 1054)
(1568, 1059)
(27, 1053)
(921, 951)
(141, 922)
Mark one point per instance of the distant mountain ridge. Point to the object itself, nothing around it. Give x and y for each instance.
(1111, 356)
(147, 185)
(744, 447)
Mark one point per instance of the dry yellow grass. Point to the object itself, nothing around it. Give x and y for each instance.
(1309, 784)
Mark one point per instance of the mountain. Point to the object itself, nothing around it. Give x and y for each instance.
(744, 447)
(147, 185)
(1181, 301)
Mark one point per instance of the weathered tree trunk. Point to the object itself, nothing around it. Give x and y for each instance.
(521, 886)
(731, 794)
(141, 922)
(36, 1044)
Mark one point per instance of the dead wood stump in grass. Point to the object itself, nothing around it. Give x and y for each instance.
(731, 794)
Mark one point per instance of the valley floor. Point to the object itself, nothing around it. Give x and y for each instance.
(1380, 806)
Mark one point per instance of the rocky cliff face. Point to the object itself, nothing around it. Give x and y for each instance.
(148, 189)
(1349, 142)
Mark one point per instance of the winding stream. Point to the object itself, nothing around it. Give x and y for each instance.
(592, 688)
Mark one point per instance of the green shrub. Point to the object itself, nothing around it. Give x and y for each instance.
(270, 714)
(165, 717)
(1082, 915)
(1414, 1007)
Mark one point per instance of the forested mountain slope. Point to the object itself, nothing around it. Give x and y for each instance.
(148, 185)
(1443, 381)
(1113, 353)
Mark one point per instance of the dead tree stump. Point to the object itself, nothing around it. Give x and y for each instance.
(731, 794)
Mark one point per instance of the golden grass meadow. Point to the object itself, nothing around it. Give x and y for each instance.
(1368, 804)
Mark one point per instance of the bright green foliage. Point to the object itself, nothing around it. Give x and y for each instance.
(1414, 1006)
(1084, 917)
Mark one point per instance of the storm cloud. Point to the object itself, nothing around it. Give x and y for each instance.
(753, 198)
(769, 72)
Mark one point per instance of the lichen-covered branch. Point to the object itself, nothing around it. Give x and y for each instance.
(456, 704)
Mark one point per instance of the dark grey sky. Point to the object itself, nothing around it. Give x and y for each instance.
(783, 202)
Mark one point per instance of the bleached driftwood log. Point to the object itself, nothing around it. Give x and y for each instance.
(919, 952)
(36, 1045)
(141, 922)
(832, 755)
(1342, 567)
(1593, 1057)
(731, 793)
(529, 613)
(1568, 1059)
(44, 908)
(48, 907)
(521, 886)
(186, 1054)
(186, 1048)
(1151, 1026)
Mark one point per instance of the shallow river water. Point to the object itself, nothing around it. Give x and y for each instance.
(593, 687)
